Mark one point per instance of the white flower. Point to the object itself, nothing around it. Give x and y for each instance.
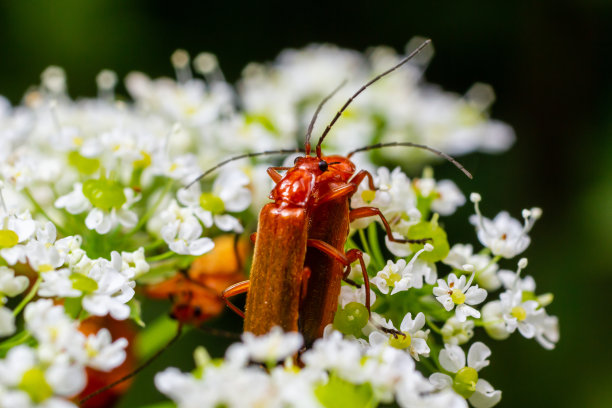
(413, 340)
(269, 348)
(401, 276)
(11, 285)
(504, 235)
(113, 290)
(457, 292)
(74, 202)
(229, 193)
(486, 276)
(100, 220)
(394, 197)
(104, 354)
(7, 322)
(444, 194)
(519, 314)
(465, 380)
(182, 231)
(349, 293)
(456, 333)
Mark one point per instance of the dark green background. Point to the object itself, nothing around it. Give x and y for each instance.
(549, 62)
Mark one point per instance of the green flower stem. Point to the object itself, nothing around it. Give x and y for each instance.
(153, 245)
(43, 212)
(495, 259)
(376, 252)
(16, 340)
(160, 257)
(364, 242)
(28, 297)
(143, 220)
(432, 325)
(428, 365)
(480, 323)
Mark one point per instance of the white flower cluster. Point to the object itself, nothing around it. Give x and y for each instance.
(92, 203)
(283, 96)
(54, 371)
(334, 369)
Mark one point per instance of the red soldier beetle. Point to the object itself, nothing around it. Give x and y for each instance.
(298, 289)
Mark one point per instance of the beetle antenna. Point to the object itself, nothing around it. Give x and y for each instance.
(314, 117)
(242, 156)
(419, 146)
(348, 102)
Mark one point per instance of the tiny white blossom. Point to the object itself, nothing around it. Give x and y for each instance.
(504, 235)
(457, 292)
(272, 347)
(466, 381)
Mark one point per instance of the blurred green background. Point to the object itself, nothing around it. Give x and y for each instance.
(549, 62)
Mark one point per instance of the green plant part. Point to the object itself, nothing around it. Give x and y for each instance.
(104, 194)
(432, 230)
(351, 319)
(212, 203)
(84, 165)
(465, 381)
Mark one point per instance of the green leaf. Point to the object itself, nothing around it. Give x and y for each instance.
(136, 312)
(155, 336)
(338, 393)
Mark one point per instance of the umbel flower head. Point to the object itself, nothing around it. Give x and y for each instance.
(94, 204)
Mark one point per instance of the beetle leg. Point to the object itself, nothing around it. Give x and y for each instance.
(358, 178)
(344, 190)
(345, 259)
(274, 174)
(233, 290)
(363, 212)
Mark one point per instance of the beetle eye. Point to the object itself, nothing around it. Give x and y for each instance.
(296, 160)
(323, 165)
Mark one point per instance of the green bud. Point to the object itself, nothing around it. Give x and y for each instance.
(104, 194)
(85, 165)
(465, 382)
(35, 385)
(351, 319)
(83, 283)
(8, 238)
(212, 203)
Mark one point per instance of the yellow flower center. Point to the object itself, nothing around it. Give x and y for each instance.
(400, 342)
(35, 385)
(458, 297)
(519, 313)
(368, 195)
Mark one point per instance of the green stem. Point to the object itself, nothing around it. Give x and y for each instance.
(154, 244)
(43, 212)
(16, 340)
(161, 257)
(432, 325)
(364, 242)
(480, 323)
(28, 297)
(376, 252)
(143, 220)
(428, 365)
